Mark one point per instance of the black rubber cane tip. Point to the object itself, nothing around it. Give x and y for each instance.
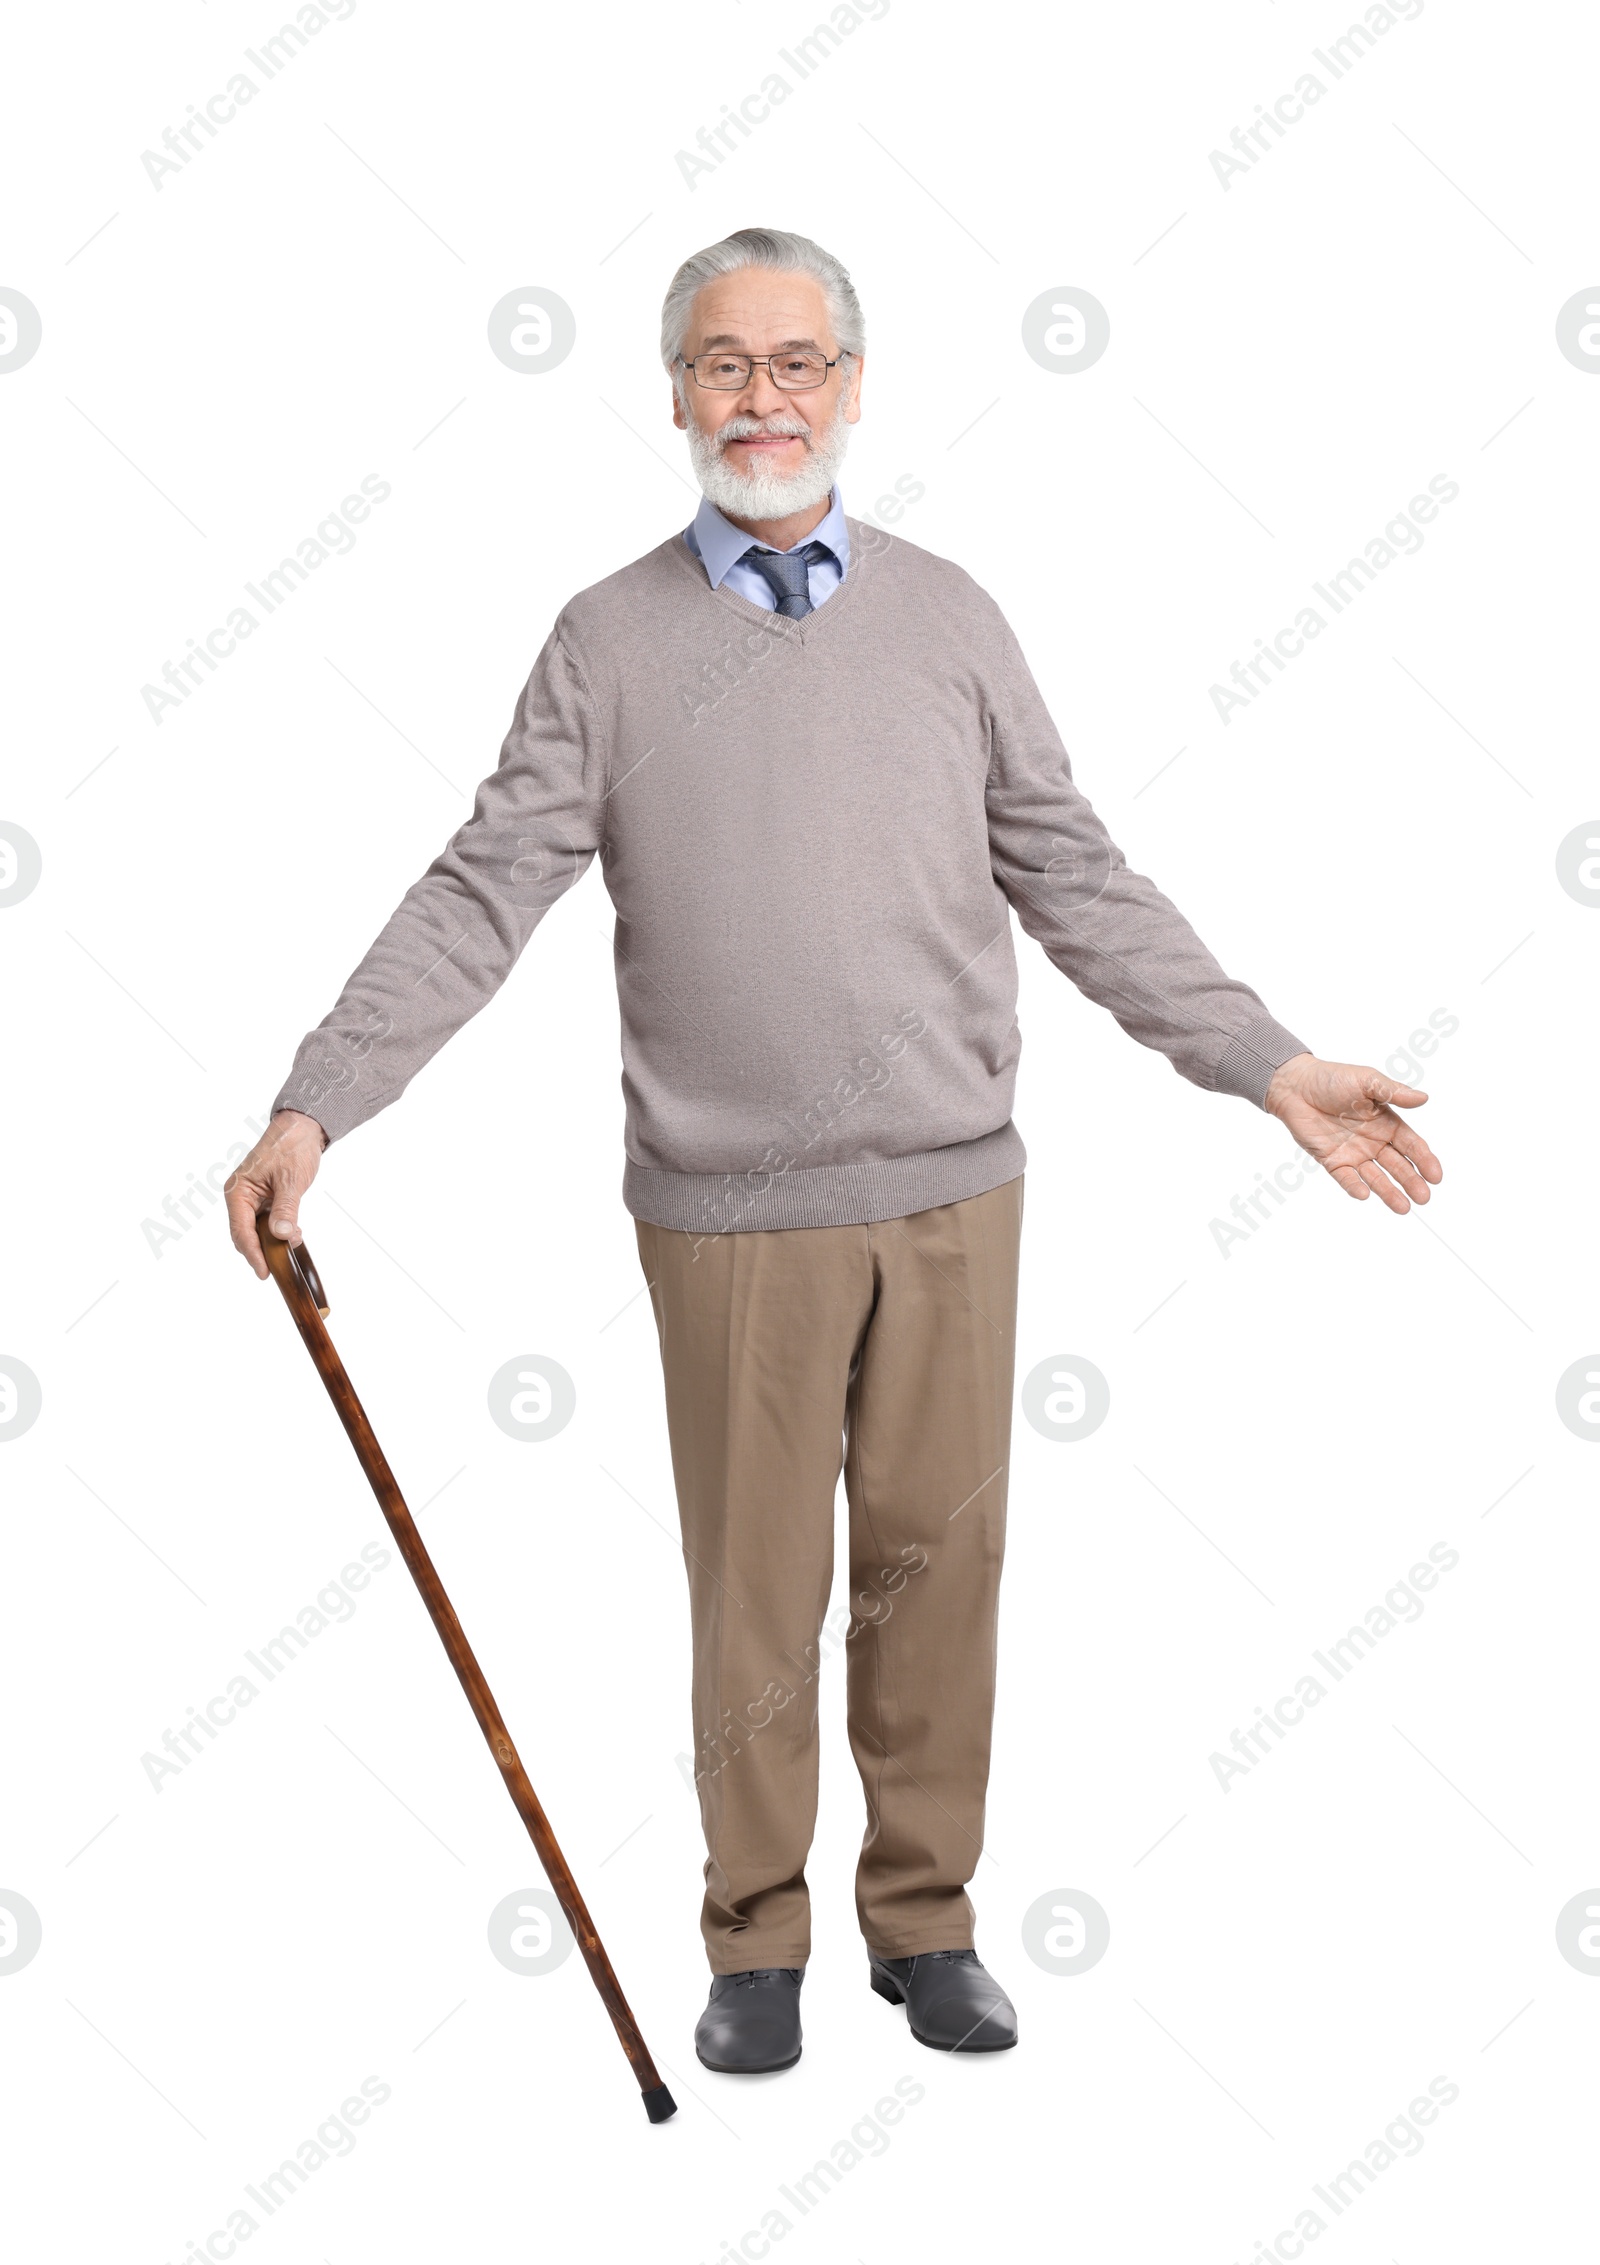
(659, 2104)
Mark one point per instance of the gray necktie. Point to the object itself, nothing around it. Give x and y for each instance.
(786, 574)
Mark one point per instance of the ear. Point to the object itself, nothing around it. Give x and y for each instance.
(852, 414)
(678, 417)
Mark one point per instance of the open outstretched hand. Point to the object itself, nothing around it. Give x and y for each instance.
(1344, 1116)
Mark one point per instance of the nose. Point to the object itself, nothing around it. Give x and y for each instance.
(761, 397)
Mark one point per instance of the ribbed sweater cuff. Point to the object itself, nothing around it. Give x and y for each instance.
(1249, 1059)
(337, 1112)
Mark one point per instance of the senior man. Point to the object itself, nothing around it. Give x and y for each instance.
(819, 778)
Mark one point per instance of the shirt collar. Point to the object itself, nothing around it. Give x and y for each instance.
(718, 544)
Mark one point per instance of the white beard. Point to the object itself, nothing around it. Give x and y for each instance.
(760, 494)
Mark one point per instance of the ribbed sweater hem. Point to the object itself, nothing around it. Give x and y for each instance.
(824, 1195)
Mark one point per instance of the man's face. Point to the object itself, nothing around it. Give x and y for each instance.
(761, 451)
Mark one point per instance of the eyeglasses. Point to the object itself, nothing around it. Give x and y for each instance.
(797, 371)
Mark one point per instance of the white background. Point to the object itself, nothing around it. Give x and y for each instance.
(224, 357)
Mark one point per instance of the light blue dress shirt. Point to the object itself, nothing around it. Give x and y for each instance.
(719, 546)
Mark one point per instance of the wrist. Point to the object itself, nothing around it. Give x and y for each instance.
(299, 1117)
(1284, 1082)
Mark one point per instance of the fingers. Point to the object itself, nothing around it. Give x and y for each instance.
(284, 1191)
(1412, 1145)
(273, 1178)
(242, 1201)
(1402, 1170)
(1377, 1087)
(287, 1171)
(1362, 1180)
(1405, 1153)
(1378, 1180)
(1379, 1155)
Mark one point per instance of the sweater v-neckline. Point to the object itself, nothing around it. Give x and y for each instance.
(796, 632)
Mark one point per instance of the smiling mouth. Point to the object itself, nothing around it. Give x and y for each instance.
(767, 440)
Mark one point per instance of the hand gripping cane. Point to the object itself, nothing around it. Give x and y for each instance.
(303, 1293)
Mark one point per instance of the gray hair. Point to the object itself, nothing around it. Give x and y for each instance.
(761, 247)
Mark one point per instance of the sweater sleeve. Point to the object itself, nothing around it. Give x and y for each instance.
(1123, 943)
(455, 936)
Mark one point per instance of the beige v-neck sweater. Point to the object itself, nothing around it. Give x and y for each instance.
(814, 834)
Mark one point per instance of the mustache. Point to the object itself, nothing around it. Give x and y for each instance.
(779, 427)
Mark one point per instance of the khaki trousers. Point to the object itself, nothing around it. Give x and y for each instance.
(889, 1347)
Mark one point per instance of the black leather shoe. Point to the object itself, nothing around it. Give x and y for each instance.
(752, 2022)
(951, 2003)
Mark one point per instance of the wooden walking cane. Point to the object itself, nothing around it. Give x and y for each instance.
(297, 1278)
